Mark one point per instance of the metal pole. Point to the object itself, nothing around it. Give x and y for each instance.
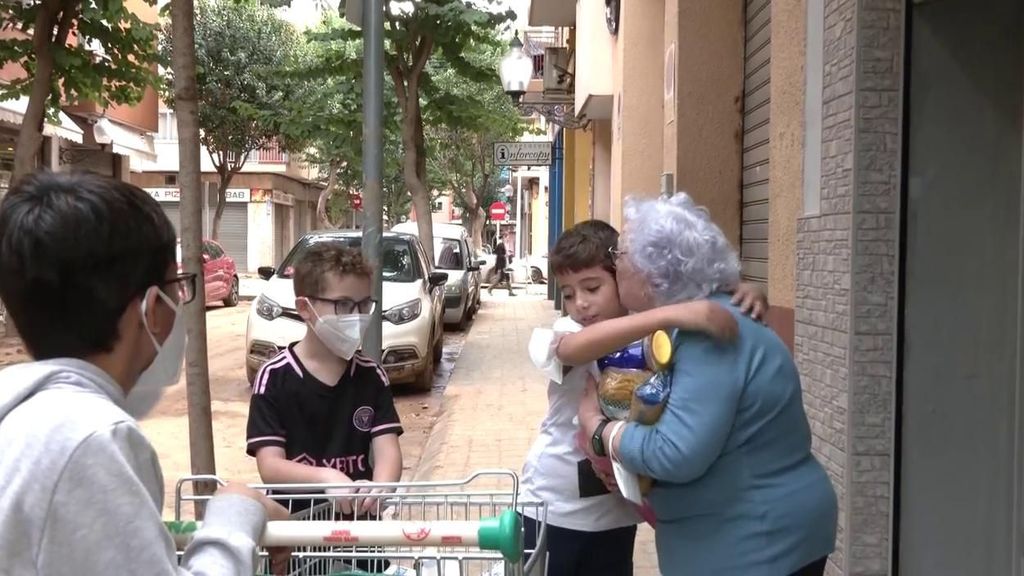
(519, 215)
(373, 155)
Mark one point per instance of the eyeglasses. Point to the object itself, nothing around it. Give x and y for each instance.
(183, 286)
(615, 252)
(343, 306)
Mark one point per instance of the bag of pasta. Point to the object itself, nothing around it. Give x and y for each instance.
(640, 368)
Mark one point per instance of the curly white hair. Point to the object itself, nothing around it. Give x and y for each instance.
(681, 253)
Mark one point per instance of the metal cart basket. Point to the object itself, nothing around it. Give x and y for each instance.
(468, 527)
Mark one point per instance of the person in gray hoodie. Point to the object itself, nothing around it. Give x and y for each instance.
(89, 277)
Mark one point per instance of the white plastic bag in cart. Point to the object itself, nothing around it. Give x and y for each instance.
(432, 567)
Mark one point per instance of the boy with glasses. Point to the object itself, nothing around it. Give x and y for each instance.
(320, 407)
(89, 276)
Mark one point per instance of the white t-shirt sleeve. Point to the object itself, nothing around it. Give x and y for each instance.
(543, 347)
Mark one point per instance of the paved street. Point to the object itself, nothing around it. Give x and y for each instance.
(496, 399)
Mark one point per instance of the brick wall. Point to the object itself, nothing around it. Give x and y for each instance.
(822, 311)
(874, 290)
(847, 259)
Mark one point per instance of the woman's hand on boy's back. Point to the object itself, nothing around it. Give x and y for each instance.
(751, 300)
(703, 316)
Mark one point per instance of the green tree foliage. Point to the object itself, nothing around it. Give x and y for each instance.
(242, 51)
(73, 51)
(323, 120)
(465, 117)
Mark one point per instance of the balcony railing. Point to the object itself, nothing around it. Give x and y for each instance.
(270, 154)
(534, 43)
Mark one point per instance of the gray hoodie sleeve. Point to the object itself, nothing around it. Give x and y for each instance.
(104, 517)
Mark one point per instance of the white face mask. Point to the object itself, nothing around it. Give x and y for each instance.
(166, 367)
(342, 335)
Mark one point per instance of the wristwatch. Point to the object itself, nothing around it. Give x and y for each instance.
(597, 442)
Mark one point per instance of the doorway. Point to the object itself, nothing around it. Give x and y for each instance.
(960, 444)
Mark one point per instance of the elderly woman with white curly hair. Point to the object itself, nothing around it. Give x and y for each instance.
(736, 487)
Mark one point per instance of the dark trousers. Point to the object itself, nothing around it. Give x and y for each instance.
(816, 568)
(576, 553)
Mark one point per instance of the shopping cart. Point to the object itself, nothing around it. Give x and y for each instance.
(469, 527)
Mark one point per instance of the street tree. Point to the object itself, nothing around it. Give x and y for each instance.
(416, 33)
(72, 51)
(323, 118)
(197, 370)
(242, 49)
(465, 117)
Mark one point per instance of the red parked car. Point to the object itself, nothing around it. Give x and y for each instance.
(219, 272)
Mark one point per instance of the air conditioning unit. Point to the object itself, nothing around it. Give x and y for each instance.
(557, 72)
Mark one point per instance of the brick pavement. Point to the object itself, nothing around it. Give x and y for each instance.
(496, 400)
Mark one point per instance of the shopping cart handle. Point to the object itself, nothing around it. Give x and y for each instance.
(503, 533)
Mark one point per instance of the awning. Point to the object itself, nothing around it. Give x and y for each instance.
(13, 112)
(125, 140)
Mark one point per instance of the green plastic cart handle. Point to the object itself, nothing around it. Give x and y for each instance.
(503, 533)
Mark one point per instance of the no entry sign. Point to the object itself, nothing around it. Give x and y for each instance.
(499, 212)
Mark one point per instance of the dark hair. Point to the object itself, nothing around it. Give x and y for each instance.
(75, 250)
(585, 245)
(323, 258)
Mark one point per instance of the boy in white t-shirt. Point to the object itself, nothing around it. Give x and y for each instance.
(591, 529)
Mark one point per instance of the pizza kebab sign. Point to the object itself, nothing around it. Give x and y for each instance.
(174, 194)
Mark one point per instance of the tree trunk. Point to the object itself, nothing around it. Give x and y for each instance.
(30, 136)
(197, 370)
(412, 161)
(226, 176)
(325, 197)
(476, 227)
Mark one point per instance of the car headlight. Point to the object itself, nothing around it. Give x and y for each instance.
(404, 312)
(267, 308)
(453, 289)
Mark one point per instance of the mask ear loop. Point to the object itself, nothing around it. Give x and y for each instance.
(145, 321)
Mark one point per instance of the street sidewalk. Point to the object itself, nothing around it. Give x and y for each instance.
(496, 399)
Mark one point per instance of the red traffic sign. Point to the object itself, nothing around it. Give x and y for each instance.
(356, 200)
(499, 212)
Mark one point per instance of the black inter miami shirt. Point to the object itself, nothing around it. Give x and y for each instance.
(317, 424)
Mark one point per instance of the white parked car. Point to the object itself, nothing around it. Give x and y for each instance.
(453, 256)
(532, 269)
(413, 329)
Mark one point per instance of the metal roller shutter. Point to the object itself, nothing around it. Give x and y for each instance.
(174, 214)
(234, 233)
(756, 129)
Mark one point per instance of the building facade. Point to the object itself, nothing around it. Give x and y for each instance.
(270, 204)
(865, 156)
(111, 140)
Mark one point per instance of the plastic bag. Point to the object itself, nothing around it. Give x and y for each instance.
(617, 388)
(649, 398)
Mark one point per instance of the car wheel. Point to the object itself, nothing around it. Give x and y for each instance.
(425, 380)
(536, 276)
(232, 299)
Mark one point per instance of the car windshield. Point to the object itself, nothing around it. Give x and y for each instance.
(397, 261)
(448, 253)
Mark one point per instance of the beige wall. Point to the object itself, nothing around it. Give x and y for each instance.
(593, 84)
(637, 120)
(707, 127)
(583, 161)
(602, 170)
(787, 139)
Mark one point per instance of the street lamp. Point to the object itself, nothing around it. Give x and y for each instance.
(515, 70)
